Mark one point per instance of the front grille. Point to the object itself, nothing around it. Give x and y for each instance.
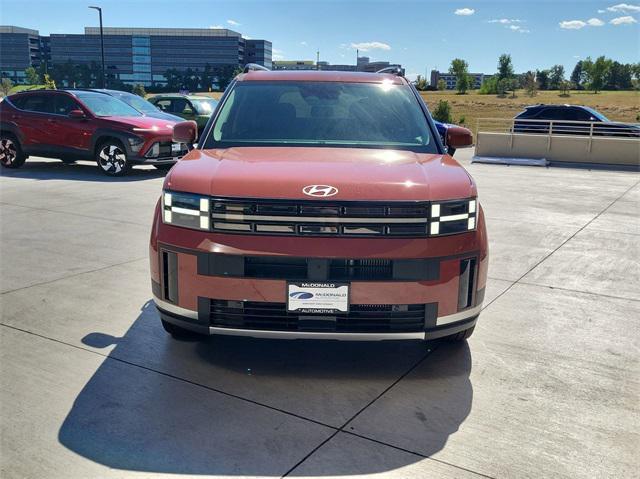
(373, 318)
(309, 218)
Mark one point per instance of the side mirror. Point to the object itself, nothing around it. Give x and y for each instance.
(459, 137)
(77, 115)
(185, 132)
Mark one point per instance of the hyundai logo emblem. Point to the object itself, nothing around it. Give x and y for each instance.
(320, 190)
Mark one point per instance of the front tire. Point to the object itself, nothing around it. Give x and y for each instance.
(112, 160)
(11, 154)
(462, 335)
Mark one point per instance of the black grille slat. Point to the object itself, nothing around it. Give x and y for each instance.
(345, 219)
(274, 316)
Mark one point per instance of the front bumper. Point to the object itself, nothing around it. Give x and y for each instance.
(446, 325)
(196, 275)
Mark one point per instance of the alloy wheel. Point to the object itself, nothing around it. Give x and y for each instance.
(112, 159)
(8, 151)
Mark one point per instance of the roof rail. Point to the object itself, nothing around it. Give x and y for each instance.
(394, 70)
(251, 67)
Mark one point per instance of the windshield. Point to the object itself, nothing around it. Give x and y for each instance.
(205, 106)
(105, 105)
(137, 102)
(364, 115)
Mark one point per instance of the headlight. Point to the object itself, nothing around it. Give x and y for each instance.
(457, 216)
(186, 210)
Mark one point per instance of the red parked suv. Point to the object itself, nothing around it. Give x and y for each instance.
(320, 205)
(83, 125)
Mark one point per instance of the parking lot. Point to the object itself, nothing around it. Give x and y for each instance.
(91, 386)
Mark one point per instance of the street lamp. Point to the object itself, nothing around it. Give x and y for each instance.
(104, 71)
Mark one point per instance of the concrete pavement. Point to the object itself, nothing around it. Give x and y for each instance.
(91, 386)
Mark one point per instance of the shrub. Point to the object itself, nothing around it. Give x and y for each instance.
(442, 113)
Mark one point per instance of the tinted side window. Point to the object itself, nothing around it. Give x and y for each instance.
(63, 104)
(578, 115)
(37, 103)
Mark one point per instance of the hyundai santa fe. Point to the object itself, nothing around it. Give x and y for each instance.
(319, 205)
(84, 125)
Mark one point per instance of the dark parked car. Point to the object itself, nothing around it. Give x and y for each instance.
(82, 125)
(143, 106)
(570, 120)
(188, 107)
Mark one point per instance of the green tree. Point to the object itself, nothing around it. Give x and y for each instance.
(460, 69)
(421, 83)
(32, 76)
(5, 86)
(542, 77)
(138, 89)
(530, 84)
(596, 72)
(49, 84)
(577, 76)
(442, 85)
(556, 77)
(505, 67)
(618, 77)
(565, 87)
(489, 86)
(442, 113)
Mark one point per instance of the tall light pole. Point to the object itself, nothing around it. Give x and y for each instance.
(104, 71)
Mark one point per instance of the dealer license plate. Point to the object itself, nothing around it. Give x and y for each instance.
(317, 298)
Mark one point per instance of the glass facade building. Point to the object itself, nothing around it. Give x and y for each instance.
(21, 48)
(136, 55)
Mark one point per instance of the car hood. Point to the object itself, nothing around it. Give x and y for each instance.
(143, 122)
(358, 174)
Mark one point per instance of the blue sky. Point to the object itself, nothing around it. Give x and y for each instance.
(419, 34)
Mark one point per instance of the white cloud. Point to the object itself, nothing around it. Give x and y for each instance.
(366, 46)
(602, 11)
(627, 20)
(304, 44)
(247, 37)
(217, 27)
(277, 54)
(624, 8)
(518, 28)
(572, 24)
(505, 21)
(595, 22)
(233, 23)
(465, 12)
(577, 56)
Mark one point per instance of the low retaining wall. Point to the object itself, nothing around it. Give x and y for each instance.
(560, 148)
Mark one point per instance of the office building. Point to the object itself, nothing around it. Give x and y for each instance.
(451, 80)
(21, 48)
(363, 65)
(294, 65)
(132, 55)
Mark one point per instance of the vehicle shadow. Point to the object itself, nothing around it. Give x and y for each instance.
(215, 406)
(80, 171)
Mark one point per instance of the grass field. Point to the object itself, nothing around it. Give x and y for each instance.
(615, 105)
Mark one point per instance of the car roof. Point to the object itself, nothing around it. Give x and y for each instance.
(181, 95)
(553, 105)
(319, 76)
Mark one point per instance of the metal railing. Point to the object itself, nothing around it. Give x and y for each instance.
(559, 141)
(558, 127)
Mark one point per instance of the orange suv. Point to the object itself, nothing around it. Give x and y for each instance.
(319, 205)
